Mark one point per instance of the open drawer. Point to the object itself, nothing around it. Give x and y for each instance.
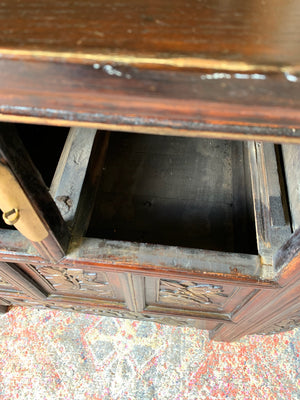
(212, 195)
(227, 198)
(181, 230)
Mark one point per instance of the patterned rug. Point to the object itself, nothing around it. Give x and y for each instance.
(47, 354)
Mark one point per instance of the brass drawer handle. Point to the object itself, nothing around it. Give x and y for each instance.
(11, 217)
(17, 208)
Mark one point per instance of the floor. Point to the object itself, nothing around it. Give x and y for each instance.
(47, 354)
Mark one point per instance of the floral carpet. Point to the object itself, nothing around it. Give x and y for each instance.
(49, 354)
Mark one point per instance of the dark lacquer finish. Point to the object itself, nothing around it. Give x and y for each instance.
(171, 238)
(195, 68)
(255, 32)
(177, 230)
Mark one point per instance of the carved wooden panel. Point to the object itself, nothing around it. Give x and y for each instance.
(198, 296)
(80, 281)
(123, 313)
(190, 293)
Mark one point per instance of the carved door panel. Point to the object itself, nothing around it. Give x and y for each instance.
(88, 288)
(213, 300)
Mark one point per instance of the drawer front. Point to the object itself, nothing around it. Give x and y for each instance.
(188, 295)
(82, 282)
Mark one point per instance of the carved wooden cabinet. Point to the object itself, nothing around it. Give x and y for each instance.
(152, 171)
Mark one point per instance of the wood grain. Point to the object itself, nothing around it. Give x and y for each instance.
(253, 32)
(271, 218)
(179, 101)
(21, 282)
(77, 174)
(198, 68)
(291, 158)
(146, 260)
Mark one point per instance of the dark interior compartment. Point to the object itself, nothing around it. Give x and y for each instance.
(179, 191)
(44, 145)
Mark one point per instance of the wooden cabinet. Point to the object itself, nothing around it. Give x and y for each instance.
(186, 231)
(150, 164)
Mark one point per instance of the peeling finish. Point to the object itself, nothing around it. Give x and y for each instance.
(290, 77)
(111, 70)
(250, 76)
(222, 75)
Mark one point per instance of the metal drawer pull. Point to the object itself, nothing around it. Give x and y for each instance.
(11, 217)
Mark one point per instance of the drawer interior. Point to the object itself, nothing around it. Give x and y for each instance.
(189, 192)
(209, 194)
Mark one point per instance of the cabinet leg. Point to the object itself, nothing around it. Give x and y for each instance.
(3, 309)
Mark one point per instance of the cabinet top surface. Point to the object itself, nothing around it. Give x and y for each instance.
(200, 33)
